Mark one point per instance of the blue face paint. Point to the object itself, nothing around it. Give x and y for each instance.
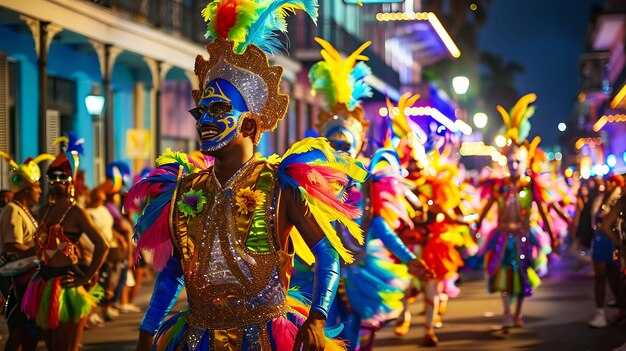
(342, 139)
(218, 115)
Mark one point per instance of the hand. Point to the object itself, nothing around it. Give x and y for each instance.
(310, 336)
(419, 269)
(71, 280)
(145, 341)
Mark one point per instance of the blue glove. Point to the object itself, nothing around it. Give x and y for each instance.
(169, 283)
(393, 243)
(326, 276)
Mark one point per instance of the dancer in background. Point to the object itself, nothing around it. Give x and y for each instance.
(508, 259)
(60, 297)
(367, 293)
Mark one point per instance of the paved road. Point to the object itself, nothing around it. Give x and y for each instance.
(555, 320)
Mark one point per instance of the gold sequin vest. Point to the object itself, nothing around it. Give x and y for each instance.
(235, 272)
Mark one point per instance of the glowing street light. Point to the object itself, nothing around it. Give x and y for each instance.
(562, 126)
(460, 84)
(480, 120)
(500, 140)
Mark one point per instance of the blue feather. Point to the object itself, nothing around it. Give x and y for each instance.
(263, 32)
(360, 88)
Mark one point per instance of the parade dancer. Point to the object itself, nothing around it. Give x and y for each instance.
(60, 297)
(223, 229)
(433, 184)
(508, 259)
(17, 237)
(366, 294)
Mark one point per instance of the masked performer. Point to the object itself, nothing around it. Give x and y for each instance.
(60, 297)
(508, 259)
(223, 231)
(366, 290)
(433, 182)
(19, 260)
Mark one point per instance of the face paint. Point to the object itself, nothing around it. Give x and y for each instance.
(218, 115)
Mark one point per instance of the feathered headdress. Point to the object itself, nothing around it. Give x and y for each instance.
(28, 173)
(409, 137)
(68, 160)
(342, 84)
(516, 122)
(241, 34)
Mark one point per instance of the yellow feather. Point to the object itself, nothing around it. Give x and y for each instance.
(324, 216)
(9, 160)
(43, 157)
(300, 247)
(519, 110)
(505, 116)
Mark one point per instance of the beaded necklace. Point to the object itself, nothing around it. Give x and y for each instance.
(28, 213)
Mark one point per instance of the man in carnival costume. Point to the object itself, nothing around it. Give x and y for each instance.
(508, 258)
(17, 233)
(366, 290)
(436, 198)
(223, 230)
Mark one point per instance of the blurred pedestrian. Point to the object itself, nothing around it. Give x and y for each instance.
(5, 197)
(18, 261)
(606, 264)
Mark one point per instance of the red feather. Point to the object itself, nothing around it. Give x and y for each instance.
(226, 18)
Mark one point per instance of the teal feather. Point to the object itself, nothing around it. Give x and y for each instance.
(360, 88)
(322, 82)
(271, 22)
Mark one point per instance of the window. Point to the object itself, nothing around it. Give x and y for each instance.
(62, 97)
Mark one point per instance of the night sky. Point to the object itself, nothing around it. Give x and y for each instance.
(547, 37)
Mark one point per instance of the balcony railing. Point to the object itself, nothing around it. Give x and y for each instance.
(180, 17)
(594, 73)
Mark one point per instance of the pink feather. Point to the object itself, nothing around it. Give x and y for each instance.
(284, 333)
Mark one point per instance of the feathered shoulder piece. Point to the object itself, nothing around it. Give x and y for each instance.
(516, 122)
(389, 191)
(319, 175)
(152, 198)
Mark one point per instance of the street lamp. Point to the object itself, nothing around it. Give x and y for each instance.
(500, 140)
(480, 120)
(95, 104)
(460, 84)
(562, 126)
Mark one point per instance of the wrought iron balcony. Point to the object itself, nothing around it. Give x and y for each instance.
(180, 17)
(594, 76)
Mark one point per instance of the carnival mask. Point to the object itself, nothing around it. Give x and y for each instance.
(218, 115)
(344, 134)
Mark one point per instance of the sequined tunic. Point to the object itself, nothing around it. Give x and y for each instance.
(509, 260)
(234, 271)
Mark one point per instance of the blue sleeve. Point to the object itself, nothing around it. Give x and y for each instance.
(169, 283)
(326, 276)
(382, 231)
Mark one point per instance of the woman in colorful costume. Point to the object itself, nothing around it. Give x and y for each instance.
(433, 182)
(223, 230)
(17, 242)
(60, 297)
(366, 292)
(508, 259)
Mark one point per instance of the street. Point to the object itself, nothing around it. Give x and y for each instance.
(555, 320)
